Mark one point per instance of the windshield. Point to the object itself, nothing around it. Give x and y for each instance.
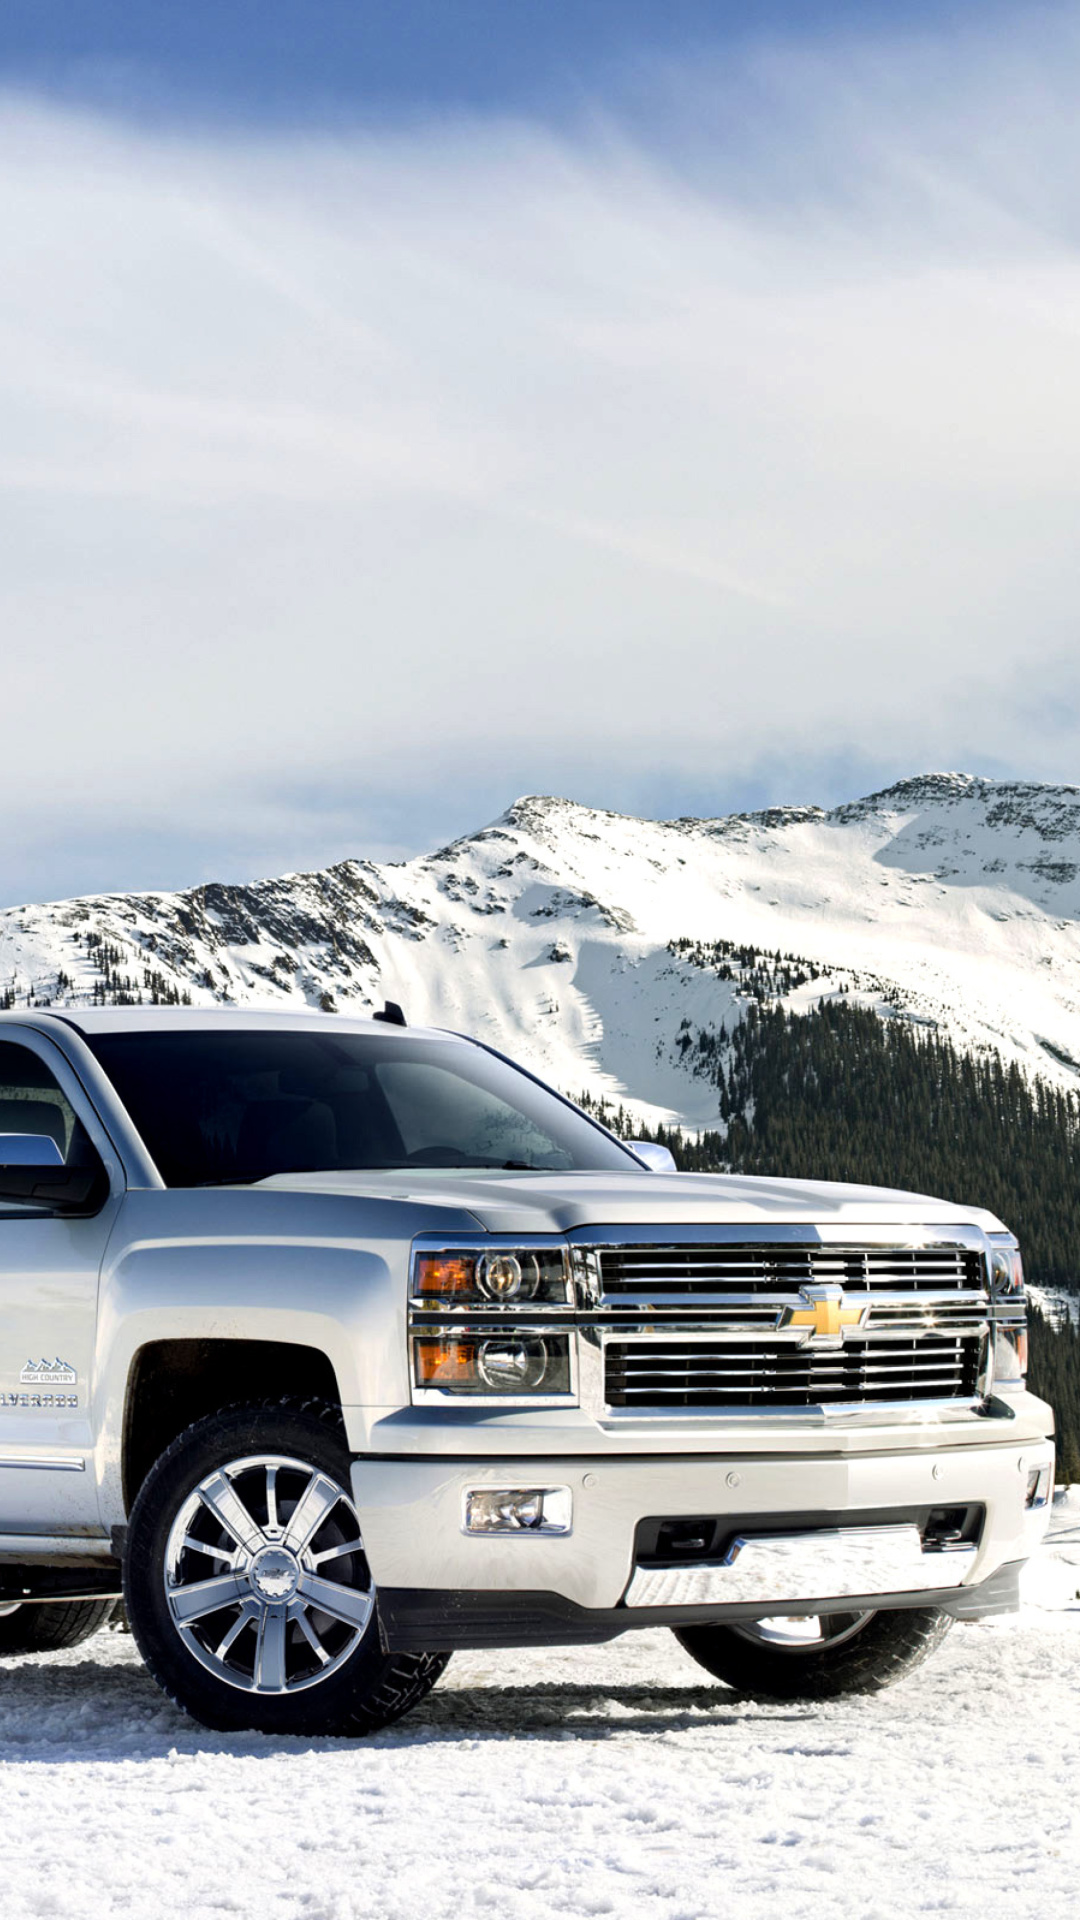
(243, 1105)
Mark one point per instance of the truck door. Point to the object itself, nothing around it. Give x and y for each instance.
(49, 1269)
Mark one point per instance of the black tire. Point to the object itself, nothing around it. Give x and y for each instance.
(857, 1653)
(365, 1688)
(39, 1627)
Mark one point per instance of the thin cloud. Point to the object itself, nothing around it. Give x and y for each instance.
(732, 436)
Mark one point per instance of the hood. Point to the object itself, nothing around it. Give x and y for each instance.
(516, 1202)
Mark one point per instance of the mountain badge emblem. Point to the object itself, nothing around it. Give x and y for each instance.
(47, 1373)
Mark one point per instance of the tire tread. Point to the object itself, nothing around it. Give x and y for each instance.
(50, 1626)
(891, 1645)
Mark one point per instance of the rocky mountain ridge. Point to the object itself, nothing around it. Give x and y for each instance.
(591, 944)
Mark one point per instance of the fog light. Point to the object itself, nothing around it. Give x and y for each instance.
(517, 1510)
(1039, 1487)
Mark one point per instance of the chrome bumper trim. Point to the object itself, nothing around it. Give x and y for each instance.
(823, 1565)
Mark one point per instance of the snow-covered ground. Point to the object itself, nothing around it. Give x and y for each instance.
(617, 1781)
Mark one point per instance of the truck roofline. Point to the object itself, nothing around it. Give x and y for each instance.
(96, 1020)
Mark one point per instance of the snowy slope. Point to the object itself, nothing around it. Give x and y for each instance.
(555, 932)
(1058, 1308)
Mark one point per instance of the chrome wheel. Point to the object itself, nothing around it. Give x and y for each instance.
(804, 1632)
(266, 1578)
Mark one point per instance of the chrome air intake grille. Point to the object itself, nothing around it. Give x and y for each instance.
(673, 1273)
(728, 1374)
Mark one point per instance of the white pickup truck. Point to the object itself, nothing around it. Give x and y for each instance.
(343, 1344)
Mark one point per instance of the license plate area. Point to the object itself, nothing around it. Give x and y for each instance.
(822, 1563)
(672, 1540)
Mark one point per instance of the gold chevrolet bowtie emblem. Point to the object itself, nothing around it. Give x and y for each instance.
(826, 1313)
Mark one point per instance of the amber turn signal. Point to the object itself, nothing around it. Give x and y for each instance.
(445, 1274)
(445, 1363)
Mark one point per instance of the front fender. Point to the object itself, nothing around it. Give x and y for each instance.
(311, 1270)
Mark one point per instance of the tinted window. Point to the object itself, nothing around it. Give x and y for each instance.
(31, 1100)
(243, 1105)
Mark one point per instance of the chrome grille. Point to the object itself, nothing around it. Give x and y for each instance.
(780, 1320)
(727, 1374)
(674, 1272)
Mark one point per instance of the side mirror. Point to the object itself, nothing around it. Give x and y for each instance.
(656, 1158)
(32, 1173)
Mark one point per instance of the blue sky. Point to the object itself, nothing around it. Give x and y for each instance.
(304, 59)
(406, 408)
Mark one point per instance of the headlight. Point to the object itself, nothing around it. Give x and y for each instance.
(490, 1320)
(1008, 1310)
(509, 1365)
(468, 1277)
(1007, 1274)
(1010, 1356)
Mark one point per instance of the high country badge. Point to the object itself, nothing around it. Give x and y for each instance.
(47, 1373)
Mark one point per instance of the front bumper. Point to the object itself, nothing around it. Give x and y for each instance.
(427, 1619)
(411, 1513)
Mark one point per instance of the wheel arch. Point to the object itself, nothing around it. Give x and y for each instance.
(173, 1382)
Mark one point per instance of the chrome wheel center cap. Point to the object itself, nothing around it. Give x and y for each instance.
(274, 1573)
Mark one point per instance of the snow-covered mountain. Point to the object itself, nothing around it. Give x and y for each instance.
(588, 944)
